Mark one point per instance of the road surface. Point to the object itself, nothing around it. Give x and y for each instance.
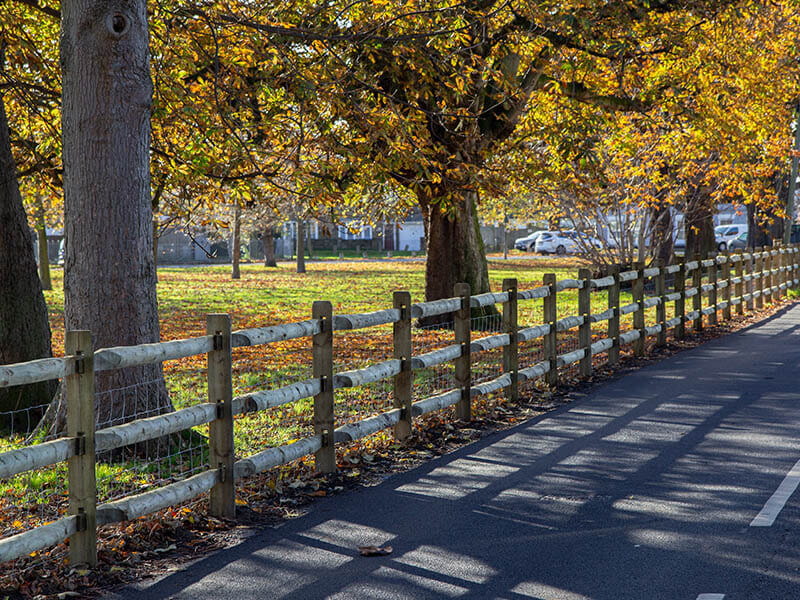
(673, 482)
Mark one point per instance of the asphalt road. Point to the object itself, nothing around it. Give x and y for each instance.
(673, 482)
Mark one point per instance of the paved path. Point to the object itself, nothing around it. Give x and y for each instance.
(647, 488)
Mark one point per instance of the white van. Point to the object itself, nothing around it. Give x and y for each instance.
(725, 234)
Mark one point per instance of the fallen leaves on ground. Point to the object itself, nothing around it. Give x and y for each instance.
(374, 550)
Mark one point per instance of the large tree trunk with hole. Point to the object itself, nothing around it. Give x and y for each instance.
(268, 245)
(24, 328)
(699, 227)
(109, 270)
(455, 252)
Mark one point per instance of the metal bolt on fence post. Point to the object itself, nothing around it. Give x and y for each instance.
(222, 501)
(403, 381)
(81, 467)
(511, 327)
(463, 373)
(322, 356)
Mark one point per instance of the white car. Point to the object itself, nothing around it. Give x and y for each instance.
(563, 242)
(528, 242)
(725, 234)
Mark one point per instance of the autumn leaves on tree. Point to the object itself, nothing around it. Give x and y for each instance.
(367, 108)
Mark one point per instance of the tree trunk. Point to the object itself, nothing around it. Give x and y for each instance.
(699, 228)
(236, 250)
(301, 242)
(268, 244)
(662, 233)
(155, 246)
(109, 269)
(44, 257)
(24, 328)
(455, 252)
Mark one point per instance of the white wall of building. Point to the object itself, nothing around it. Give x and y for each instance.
(410, 235)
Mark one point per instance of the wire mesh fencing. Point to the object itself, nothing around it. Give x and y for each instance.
(37, 496)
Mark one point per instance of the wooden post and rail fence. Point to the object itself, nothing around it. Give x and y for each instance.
(737, 280)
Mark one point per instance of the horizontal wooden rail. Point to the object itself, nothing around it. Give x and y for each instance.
(532, 333)
(766, 278)
(569, 284)
(372, 319)
(19, 460)
(488, 299)
(273, 457)
(539, 292)
(143, 504)
(603, 282)
(435, 308)
(371, 374)
(144, 354)
(276, 333)
(41, 537)
(436, 357)
(262, 400)
(34, 371)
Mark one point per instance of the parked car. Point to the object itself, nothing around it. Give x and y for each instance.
(528, 242)
(725, 234)
(739, 242)
(563, 242)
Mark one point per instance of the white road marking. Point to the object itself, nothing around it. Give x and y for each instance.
(711, 597)
(778, 500)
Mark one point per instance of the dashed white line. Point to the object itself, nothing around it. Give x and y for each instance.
(711, 597)
(778, 500)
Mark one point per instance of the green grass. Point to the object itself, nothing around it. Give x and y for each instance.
(265, 297)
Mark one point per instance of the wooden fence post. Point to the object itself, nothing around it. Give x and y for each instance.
(697, 299)
(403, 381)
(322, 356)
(759, 277)
(749, 270)
(661, 309)
(550, 341)
(511, 327)
(713, 294)
(463, 373)
(680, 303)
(767, 281)
(585, 329)
(613, 322)
(220, 431)
(81, 426)
(726, 294)
(777, 279)
(739, 287)
(638, 316)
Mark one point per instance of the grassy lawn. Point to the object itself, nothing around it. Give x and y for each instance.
(264, 297)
